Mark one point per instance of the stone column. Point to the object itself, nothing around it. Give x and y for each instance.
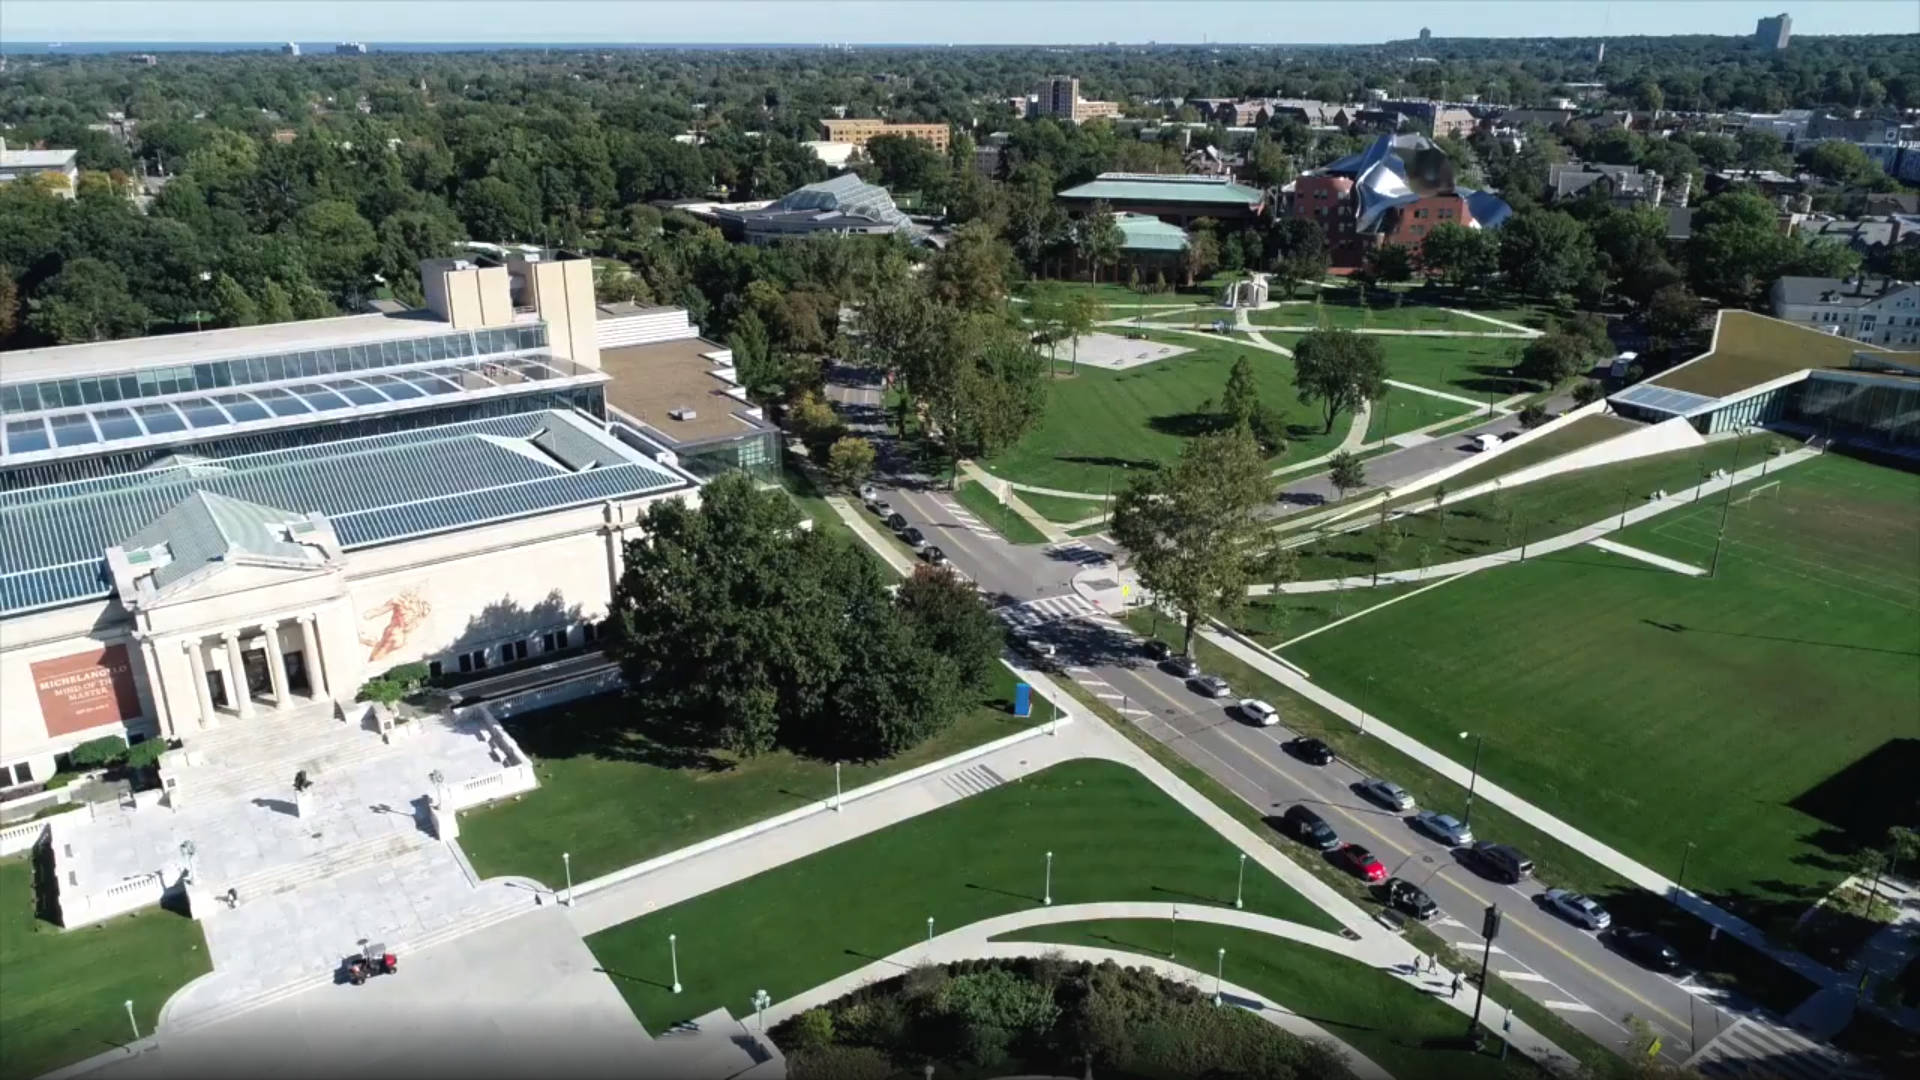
(157, 688)
(310, 651)
(277, 668)
(202, 694)
(237, 676)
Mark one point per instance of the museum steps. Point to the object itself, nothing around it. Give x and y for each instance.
(378, 850)
(261, 755)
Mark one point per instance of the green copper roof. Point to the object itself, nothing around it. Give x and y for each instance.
(1144, 232)
(1146, 187)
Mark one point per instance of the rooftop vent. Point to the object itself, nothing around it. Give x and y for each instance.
(683, 413)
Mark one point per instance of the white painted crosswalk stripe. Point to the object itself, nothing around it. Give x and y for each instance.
(1045, 610)
(967, 520)
(1522, 976)
(1567, 1006)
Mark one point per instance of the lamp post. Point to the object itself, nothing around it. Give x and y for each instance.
(1680, 883)
(1219, 966)
(205, 276)
(1726, 506)
(929, 929)
(836, 787)
(673, 954)
(187, 852)
(762, 999)
(1046, 893)
(1240, 882)
(566, 863)
(1480, 743)
(135, 1024)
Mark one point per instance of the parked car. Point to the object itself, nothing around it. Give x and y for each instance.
(896, 522)
(1310, 750)
(1503, 861)
(913, 536)
(881, 508)
(1485, 441)
(1646, 949)
(1443, 827)
(934, 555)
(1259, 712)
(1405, 896)
(869, 494)
(1211, 686)
(1361, 862)
(1156, 649)
(1387, 794)
(1182, 665)
(1309, 828)
(1577, 909)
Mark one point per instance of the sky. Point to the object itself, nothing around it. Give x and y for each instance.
(1046, 22)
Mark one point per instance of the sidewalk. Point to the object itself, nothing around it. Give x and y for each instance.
(1003, 491)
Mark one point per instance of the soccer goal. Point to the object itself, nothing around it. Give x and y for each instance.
(1768, 490)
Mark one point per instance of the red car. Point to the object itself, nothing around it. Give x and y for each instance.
(1361, 862)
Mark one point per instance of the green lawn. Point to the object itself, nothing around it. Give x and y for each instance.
(1403, 1030)
(1273, 619)
(1384, 317)
(63, 993)
(1098, 424)
(1502, 521)
(1584, 432)
(1064, 511)
(612, 797)
(998, 515)
(1113, 834)
(1779, 694)
(1405, 410)
(1120, 299)
(1474, 368)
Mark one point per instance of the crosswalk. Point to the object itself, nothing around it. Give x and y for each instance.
(973, 779)
(1078, 551)
(1749, 1051)
(964, 518)
(1045, 610)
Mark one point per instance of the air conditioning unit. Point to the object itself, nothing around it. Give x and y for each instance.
(682, 413)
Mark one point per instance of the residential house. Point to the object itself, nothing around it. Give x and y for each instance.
(1622, 185)
(1878, 311)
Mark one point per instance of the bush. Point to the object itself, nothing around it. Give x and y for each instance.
(840, 1063)
(146, 754)
(813, 1029)
(57, 781)
(99, 753)
(394, 684)
(1586, 393)
(1533, 415)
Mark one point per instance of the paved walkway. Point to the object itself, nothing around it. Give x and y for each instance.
(1648, 557)
(1415, 388)
(1587, 535)
(864, 529)
(1005, 492)
(1527, 330)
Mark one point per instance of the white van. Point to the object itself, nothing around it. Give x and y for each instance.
(1486, 440)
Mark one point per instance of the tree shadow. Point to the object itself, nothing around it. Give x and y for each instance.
(1102, 462)
(1681, 628)
(1004, 892)
(1186, 425)
(607, 728)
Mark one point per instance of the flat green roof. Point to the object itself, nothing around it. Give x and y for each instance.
(1144, 232)
(1750, 349)
(1141, 187)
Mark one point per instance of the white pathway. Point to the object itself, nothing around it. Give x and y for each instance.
(1648, 557)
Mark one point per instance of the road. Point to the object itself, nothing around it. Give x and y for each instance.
(1569, 970)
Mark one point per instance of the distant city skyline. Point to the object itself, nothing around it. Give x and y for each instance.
(960, 22)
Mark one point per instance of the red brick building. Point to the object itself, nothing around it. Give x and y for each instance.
(1394, 192)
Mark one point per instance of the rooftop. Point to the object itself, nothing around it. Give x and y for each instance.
(1750, 349)
(98, 356)
(649, 381)
(1152, 187)
(844, 200)
(36, 159)
(1144, 232)
(1835, 292)
(372, 490)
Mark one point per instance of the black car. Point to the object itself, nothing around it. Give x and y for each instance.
(1156, 649)
(1503, 862)
(1309, 828)
(913, 536)
(1312, 751)
(1184, 666)
(934, 555)
(1646, 949)
(896, 521)
(1405, 896)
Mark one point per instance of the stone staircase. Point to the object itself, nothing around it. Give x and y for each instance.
(260, 756)
(346, 858)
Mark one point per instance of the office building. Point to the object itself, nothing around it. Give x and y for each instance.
(859, 131)
(200, 530)
(56, 168)
(291, 48)
(1058, 96)
(350, 48)
(1878, 311)
(1773, 33)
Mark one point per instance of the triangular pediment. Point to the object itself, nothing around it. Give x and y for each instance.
(229, 577)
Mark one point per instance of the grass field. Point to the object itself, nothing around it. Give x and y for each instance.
(1113, 834)
(1101, 420)
(611, 796)
(1386, 317)
(1503, 521)
(1402, 1030)
(1405, 410)
(1624, 698)
(997, 515)
(1273, 619)
(1064, 511)
(1474, 368)
(1583, 432)
(62, 993)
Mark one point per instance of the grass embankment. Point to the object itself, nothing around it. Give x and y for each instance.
(612, 795)
(1064, 511)
(997, 515)
(1114, 836)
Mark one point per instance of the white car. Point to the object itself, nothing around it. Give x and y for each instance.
(1577, 909)
(1445, 828)
(1485, 441)
(1259, 712)
(1387, 794)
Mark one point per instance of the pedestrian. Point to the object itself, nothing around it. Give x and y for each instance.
(1456, 987)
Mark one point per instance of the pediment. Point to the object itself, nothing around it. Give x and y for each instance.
(226, 578)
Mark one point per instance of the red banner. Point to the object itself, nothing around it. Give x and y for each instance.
(86, 690)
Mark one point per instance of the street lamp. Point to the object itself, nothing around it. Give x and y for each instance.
(1046, 894)
(1219, 965)
(135, 1024)
(836, 787)
(673, 953)
(1680, 883)
(761, 999)
(929, 929)
(1239, 885)
(566, 862)
(1479, 744)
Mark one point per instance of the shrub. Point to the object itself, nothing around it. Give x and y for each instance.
(840, 1063)
(813, 1029)
(57, 781)
(1586, 393)
(1533, 415)
(98, 753)
(392, 685)
(146, 754)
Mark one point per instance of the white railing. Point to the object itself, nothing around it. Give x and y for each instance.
(80, 905)
(17, 838)
(512, 780)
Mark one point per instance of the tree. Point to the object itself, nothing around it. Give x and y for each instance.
(497, 211)
(1077, 318)
(1546, 253)
(1390, 262)
(1267, 164)
(231, 304)
(971, 274)
(1203, 251)
(1673, 316)
(1556, 356)
(1340, 370)
(979, 378)
(904, 163)
(1587, 392)
(340, 247)
(9, 304)
(1346, 472)
(1097, 236)
(1194, 531)
(1533, 415)
(817, 425)
(1240, 403)
(946, 615)
(850, 461)
(1460, 256)
(753, 356)
(88, 300)
(1843, 163)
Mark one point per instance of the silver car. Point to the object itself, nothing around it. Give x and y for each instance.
(1387, 794)
(1445, 828)
(1212, 686)
(1577, 909)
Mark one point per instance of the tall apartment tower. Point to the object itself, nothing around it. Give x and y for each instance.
(1055, 95)
(1773, 33)
(1600, 55)
(291, 48)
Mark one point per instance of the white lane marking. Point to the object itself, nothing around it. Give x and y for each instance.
(1522, 976)
(1568, 1006)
